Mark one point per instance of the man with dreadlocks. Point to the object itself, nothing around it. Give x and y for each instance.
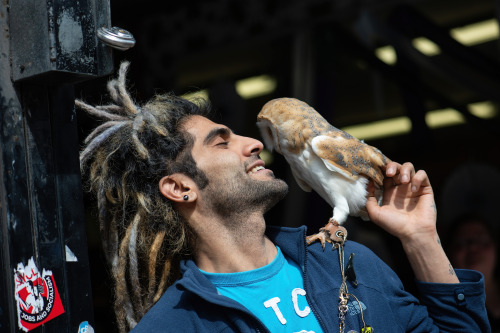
(181, 207)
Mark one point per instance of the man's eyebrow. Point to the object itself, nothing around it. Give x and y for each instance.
(216, 132)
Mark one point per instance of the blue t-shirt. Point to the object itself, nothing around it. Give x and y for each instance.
(274, 293)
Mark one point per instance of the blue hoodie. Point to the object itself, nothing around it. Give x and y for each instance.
(192, 304)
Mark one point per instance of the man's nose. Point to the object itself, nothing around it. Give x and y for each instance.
(252, 147)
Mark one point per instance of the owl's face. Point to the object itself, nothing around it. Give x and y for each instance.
(281, 123)
(269, 133)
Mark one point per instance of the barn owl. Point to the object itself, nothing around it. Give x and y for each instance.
(333, 163)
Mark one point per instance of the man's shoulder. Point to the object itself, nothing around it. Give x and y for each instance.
(180, 310)
(169, 313)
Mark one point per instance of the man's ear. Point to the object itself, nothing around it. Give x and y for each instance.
(179, 188)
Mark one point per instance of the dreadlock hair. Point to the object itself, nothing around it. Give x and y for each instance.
(123, 161)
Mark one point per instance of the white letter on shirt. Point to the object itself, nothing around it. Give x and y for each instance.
(301, 292)
(273, 303)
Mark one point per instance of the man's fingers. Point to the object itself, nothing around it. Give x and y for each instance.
(420, 179)
(406, 173)
(397, 174)
(392, 169)
(401, 174)
(371, 201)
(370, 188)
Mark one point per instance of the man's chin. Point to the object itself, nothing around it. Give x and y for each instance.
(274, 194)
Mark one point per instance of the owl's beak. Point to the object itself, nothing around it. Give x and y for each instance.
(271, 142)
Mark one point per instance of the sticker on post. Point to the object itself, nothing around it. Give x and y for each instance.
(36, 294)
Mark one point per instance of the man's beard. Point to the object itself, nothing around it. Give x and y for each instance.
(243, 195)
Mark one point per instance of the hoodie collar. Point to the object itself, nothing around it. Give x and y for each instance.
(290, 240)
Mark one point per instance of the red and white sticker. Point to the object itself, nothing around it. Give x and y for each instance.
(36, 295)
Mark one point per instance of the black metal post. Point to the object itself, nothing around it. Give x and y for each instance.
(45, 47)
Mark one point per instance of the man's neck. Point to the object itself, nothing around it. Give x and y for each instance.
(235, 244)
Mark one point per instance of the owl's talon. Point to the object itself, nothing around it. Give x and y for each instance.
(321, 236)
(332, 232)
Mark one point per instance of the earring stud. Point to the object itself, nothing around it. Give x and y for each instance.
(185, 197)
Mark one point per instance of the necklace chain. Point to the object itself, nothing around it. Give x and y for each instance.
(343, 290)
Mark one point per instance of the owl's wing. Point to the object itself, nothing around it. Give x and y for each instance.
(349, 156)
(302, 184)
